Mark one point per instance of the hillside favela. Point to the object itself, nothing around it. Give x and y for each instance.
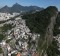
(29, 27)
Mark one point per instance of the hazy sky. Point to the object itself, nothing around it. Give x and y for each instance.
(40, 3)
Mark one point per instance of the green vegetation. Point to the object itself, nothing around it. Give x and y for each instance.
(6, 27)
(57, 25)
(13, 55)
(7, 41)
(2, 37)
(1, 51)
(52, 50)
(39, 21)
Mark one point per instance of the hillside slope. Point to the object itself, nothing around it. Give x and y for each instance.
(42, 23)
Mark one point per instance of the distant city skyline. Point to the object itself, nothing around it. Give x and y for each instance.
(40, 3)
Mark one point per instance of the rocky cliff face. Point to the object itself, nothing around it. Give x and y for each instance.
(49, 34)
(50, 28)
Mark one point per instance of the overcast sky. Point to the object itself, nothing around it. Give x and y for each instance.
(40, 3)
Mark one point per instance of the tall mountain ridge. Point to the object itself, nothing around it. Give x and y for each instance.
(18, 8)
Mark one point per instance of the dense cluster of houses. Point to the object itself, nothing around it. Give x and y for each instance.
(6, 16)
(19, 40)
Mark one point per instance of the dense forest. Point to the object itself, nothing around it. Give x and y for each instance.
(39, 21)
